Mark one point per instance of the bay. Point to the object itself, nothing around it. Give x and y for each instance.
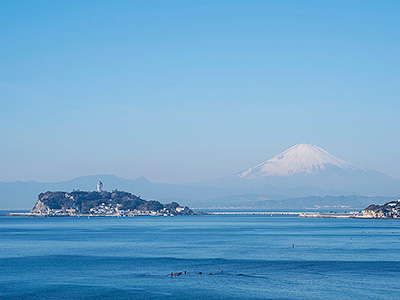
(248, 256)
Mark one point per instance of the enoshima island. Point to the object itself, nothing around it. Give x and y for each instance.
(101, 203)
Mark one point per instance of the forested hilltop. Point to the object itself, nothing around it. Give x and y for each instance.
(103, 203)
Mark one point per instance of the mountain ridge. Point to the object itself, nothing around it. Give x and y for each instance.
(308, 170)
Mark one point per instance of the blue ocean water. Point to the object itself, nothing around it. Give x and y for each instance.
(132, 258)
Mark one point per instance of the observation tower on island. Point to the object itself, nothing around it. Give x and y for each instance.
(99, 186)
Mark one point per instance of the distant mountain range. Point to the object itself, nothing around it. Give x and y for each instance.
(306, 166)
(284, 181)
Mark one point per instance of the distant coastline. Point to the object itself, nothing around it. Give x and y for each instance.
(124, 204)
(390, 210)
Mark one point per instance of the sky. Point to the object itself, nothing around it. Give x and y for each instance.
(182, 91)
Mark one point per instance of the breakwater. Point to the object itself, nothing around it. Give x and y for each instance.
(257, 213)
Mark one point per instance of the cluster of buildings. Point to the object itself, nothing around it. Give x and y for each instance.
(390, 210)
(57, 212)
(113, 209)
(106, 209)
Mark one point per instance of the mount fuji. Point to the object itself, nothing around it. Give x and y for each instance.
(309, 167)
(301, 159)
(301, 171)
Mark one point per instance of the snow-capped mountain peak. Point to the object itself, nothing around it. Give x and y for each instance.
(301, 159)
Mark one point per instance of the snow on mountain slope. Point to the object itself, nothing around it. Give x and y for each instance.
(301, 159)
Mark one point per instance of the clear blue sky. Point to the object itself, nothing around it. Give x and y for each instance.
(180, 91)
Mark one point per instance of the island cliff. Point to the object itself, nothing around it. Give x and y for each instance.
(102, 203)
(390, 210)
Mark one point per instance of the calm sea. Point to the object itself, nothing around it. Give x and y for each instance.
(262, 257)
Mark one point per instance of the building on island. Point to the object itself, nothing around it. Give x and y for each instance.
(99, 186)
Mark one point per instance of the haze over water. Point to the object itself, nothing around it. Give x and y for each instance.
(120, 258)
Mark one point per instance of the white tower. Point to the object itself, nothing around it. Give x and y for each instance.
(99, 186)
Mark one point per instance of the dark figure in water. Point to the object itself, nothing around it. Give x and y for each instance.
(293, 245)
(210, 273)
(200, 273)
(185, 272)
